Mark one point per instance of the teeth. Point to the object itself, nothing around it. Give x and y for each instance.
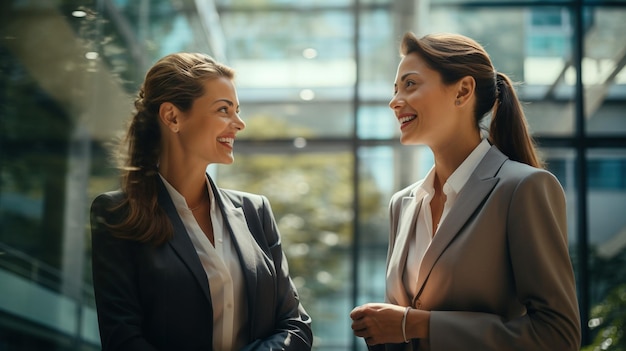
(226, 140)
(407, 119)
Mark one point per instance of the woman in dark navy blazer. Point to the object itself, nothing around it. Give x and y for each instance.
(178, 263)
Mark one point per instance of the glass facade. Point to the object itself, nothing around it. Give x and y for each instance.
(314, 79)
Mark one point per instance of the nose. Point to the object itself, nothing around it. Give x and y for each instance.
(396, 102)
(239, 123)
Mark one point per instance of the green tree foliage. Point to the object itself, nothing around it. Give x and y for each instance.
(609, 320)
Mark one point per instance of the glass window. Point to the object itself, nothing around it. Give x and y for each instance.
(603, 73)
(293, 119)
(607, 244)
(322, 149)
(283, 3)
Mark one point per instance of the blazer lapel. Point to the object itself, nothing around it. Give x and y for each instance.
(477, 188)
(397, 262)
(249, 255)
(180, 242)
(235, 222)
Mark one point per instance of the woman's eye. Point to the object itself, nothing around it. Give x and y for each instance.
(223, 109)
(409, 83)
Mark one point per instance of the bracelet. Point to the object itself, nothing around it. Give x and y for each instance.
(406, 311)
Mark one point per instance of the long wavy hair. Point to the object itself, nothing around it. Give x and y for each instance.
(179, 79)
(456, 56)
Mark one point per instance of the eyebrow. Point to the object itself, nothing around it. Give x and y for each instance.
(404, 76)
(230, 103)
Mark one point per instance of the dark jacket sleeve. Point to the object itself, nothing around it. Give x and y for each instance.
(292, 330)
(114, 278)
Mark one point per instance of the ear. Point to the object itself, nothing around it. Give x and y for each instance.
(465, 90)
(168, 114)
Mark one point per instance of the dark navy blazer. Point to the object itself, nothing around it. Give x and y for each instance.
(158, 298)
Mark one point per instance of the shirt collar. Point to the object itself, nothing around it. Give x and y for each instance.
(460, 176)
(426, 187)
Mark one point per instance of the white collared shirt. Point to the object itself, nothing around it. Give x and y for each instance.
(223, 270)
(424, 226)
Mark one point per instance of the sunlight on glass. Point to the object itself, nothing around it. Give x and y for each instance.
(300, 142)
(324, 277)
(307, 94)
(309, 53)
(594, 322)
(298, 250)
(330, 238)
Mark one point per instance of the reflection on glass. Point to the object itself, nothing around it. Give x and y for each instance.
(314, 119)
(603, 72)
(68, 70)
(377, 122)
(607, 251)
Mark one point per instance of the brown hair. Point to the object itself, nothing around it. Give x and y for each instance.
(178, 79)
(456, 56)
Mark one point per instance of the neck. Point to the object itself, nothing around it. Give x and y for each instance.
(450, 157)
(190, 183)
(203, 201)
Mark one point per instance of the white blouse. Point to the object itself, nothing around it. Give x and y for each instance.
(424, 225)
(221, 265)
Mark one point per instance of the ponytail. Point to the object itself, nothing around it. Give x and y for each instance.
(144, 220)
(508, 129)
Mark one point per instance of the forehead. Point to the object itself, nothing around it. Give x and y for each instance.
(412, 62)
(219, 86)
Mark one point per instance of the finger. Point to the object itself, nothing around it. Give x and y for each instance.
(356, 313)
(370, 341)
(358, 325)
(362, 333)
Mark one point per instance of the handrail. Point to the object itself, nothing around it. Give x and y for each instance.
(31, 268)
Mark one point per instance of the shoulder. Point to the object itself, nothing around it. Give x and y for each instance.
(115, 196)
(108, 199)
(527, 184)
(521, 173)
(242, 198)
(109, 206)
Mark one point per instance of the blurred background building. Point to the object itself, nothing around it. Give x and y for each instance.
(314, 80)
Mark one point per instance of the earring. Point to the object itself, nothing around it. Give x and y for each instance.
(175, 130)
(457, 102)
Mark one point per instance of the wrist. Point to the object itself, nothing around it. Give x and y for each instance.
(404, 317)
(417, 324)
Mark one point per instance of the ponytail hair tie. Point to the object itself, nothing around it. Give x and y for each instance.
(499, 85)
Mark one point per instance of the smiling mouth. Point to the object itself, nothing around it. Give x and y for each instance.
(406, 119)
(227, 141)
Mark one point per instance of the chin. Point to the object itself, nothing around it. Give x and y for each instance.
(407, 140)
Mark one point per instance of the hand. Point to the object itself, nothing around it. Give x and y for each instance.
(378, 323)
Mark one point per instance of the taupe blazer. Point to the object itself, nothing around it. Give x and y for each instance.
(497, 275)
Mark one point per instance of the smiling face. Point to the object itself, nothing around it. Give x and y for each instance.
(423, 105)
(207, 130)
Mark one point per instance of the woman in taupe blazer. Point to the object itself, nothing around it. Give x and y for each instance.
(178, 263)
(478, 256)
